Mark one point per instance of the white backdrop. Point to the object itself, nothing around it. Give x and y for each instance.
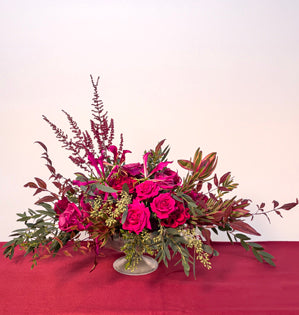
(220, 75)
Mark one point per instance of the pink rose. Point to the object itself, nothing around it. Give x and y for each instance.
(177, 217)
(138, 217)
(168, 179)
(118, 182)
(61, 205)
(147, 190)
(71, 219)
(163, 205)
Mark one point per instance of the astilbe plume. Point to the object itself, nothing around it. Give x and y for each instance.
(82, 145)
(103, 130)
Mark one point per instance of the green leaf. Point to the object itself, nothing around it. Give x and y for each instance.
(269, 261)
(214, 230)
(180, 239)
(215, 253)
(31, 212)
(192, 204)
(172, 231)
(8, 243)
(23, 219)
(255, 245)
(47, 207)
(6, 251)
(124, 216)
(176, 198)
(207, 248)
(166, 250)
(29, 250)
(229, 237)
(105, 188)
(257, 255)
(20, 230)
(242, 237)
(173, 247)
(125, 188)
(165, 261)
(265, 254)
(11, 253)
(226, 228)
(186, 267)
(245, 245)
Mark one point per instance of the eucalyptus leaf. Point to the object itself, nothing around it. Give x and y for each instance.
(124, 216)
(242, 237)
(269, 261)
(172, 231)
(207, 248)
(256, 254)
(255, 245)
(166, 250)
(105, 188)
(265, 254)
(48, 207)
(8, 243)
(229, 237)
(245, 245)
(125, 188)
(215, 253)
(176, 198)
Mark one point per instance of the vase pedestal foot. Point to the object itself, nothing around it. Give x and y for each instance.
(145, 266)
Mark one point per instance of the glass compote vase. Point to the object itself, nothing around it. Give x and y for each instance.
(144, 266)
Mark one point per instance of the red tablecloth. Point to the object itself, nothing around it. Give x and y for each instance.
(237, 284)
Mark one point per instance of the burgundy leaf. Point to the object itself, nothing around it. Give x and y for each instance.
(57, 184)
(187, 165)
(212, 196)
(278, 212)
(224, 177)
(39, 190)
(46, 199)
(223, 189)
(159, 145)
(289, 206)
(42, 145)
(215, 180)
(41, 183)
(262, 205)
(228, 211)
(275, 203)
(47, 159)
(66, 189)
(209, 186)
(31, 185)
(51, 168)
(244, 227)
(207, 235)
(199, 186)
(55, 195)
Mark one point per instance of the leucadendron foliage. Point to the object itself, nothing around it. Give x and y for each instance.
(146, 204)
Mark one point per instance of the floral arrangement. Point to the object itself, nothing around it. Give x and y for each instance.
(147, 204)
